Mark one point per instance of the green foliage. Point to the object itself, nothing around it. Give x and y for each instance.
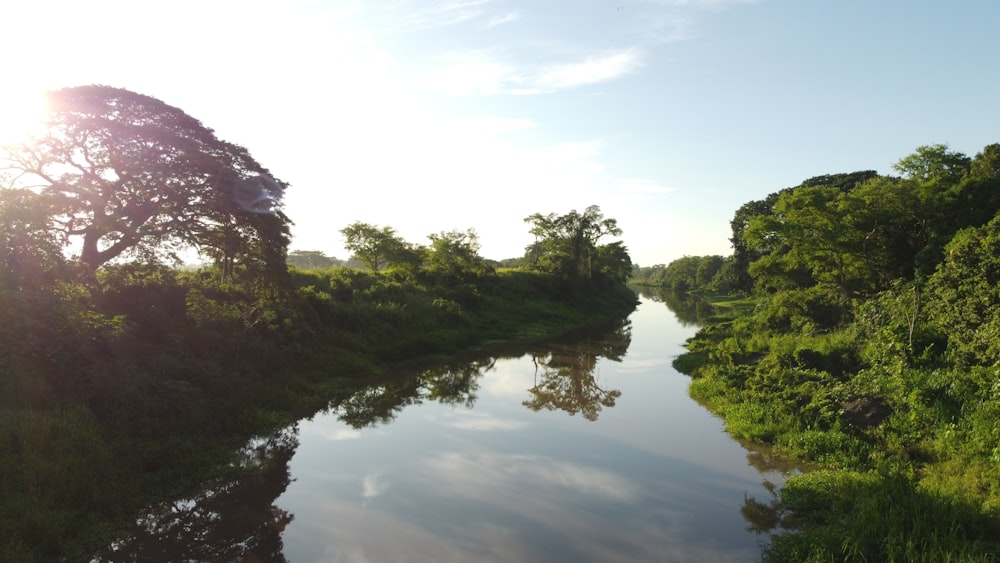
(567, 246)
(846, 516)
(966, 288)
(377, 247)
(455, 254)
(690, 273)
(872, 351)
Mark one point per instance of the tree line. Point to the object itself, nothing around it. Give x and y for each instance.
(870, 349)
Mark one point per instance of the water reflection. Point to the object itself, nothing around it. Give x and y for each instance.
(232, 520)
(568, 379)
(565, 379)
(654, 479)
(378, 403)
(769, 517)
(690, 310)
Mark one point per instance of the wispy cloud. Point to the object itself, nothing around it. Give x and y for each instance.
(592, 70)
(423, 14)
(711, 4)
(642, 186)
(671, 21)
(486, 73)
(505, 18)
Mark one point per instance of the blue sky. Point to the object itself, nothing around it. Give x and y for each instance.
(432, 115)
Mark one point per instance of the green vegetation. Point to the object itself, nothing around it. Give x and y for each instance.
(126, 382)
(872, 350)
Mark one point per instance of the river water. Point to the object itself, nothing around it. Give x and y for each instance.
(585, 448)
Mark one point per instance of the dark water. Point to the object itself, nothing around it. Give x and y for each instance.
(583, 449)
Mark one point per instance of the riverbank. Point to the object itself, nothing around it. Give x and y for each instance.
(905, 472)
(151, 379)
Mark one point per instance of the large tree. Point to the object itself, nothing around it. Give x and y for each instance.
(567, 244)
(123, 173)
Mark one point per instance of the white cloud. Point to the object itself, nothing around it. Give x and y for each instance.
(372, 485)
(481, 422)
(486, 473)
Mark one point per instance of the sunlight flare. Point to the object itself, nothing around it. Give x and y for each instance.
(21, 110)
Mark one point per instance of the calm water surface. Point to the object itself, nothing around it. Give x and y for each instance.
(585, 449)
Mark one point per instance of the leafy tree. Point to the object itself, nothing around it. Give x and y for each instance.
(986, 165)
(124, 173)
(455, 253)
(29, 250)
(744, 251)
(373, 246)
(966, 295)
(933, 163)
(613, 262)
(567, 244)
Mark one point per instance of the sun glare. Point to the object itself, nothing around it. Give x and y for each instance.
(20, 111)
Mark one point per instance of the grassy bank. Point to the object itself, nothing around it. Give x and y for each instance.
(141, 384)
(906, 445)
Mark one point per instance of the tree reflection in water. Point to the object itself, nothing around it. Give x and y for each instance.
(567, 382)
(233, 520)
(690, 310)
(454, 383)
(568, 379)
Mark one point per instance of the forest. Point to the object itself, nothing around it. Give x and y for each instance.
(127, 378)
(867, 343)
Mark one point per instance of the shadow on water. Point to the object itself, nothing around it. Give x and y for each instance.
(232, 520)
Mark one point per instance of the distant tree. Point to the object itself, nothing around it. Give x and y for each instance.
(311, 260)
(123, 173)
(455, 253)
(377, 247)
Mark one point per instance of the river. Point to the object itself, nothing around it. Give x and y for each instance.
(584, 448)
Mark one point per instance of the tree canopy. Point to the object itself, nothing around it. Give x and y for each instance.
(120, 173)
(567, 245)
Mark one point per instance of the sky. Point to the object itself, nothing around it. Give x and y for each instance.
(434, 115)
